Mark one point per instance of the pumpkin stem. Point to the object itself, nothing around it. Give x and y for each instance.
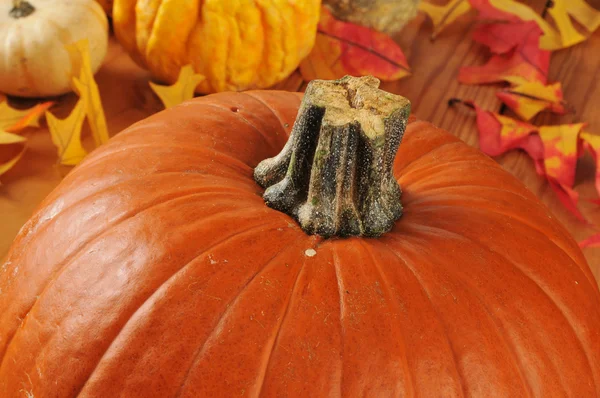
(21, 9)
(334, 175)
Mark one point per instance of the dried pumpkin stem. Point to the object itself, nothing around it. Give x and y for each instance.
(334, 174)
(21, 9)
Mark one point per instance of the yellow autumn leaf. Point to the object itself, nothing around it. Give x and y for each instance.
(442, 16)
(181, 90)
(66, 134)
(16, 119)
(85, 86)
(12, 147)
(529, 98)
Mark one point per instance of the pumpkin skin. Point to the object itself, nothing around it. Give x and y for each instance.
(155, 270)
(34, 61)
(236, 45)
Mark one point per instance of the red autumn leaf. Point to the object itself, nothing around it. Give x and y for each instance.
(567, 196)
(486, 11)
(591, 142)
(343, 48)
(592, 241)
(517, 59)
(562, 148)
(499, 134)
(554, 149)
(528, 99)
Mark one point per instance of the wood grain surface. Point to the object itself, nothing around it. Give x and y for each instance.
(127, 98)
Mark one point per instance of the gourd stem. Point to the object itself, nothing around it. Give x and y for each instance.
(21, 9)
(334, 175)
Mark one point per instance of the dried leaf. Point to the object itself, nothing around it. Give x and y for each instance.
(86, 87)
(518, 58)
(342, 48)
(528, 99)
(182, 90)
(561, 150)
(443, 16)
(591, 142)
(12, 147)
(560, 10)
(554, 149)
(592, 241)
(499, 134)
(66, 134)
(15, 119)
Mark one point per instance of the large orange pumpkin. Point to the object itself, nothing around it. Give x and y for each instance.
(155, 269)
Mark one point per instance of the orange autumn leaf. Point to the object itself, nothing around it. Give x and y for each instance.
(343, 48)
(66, 134)
(86, 87)
(181, 90)
(12, 147)
(517, 57)
(443, 16)
(528, 99)
(16, 119)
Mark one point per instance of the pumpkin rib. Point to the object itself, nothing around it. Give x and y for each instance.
(76, 252)
(435, 311)
(48, 222)
(408, 390)
(441, 148)
(510, 348)
(265, 368)
(589, 278)
(170, 278)
(521, 270)
(223, 316)
(126, 148)
(259, 99)
(340, 288)
(239, 115)
(424, 199)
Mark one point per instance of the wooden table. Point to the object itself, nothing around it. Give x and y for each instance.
(127, 99)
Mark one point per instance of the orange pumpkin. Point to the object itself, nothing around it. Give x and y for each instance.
(155, 269)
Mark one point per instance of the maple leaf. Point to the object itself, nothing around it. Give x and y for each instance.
(85, 86)
(591, 142)
(528, 99)
(517, 59)
(12, 147)
(66, 134)
(592, 241)
(559, 10)
(15, 119)
(181, 90)
(343, 48)
(554, 149)
(443, 16)
(562, 148)
(499, 134)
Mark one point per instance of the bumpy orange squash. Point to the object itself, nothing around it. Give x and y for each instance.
(155, 269)
(236, 45)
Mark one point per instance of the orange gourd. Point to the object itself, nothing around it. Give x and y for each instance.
(155, 269)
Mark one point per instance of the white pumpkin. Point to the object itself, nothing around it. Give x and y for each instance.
(33, 35)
